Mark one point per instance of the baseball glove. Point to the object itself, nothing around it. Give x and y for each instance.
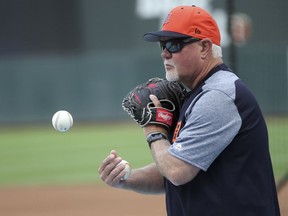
(141, 109)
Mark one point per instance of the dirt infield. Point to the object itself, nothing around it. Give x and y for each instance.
(93, 200)
(77, 200)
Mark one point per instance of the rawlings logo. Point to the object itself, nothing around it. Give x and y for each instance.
(164, 116)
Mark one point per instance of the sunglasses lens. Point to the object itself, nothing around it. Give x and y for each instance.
(171, 46)
(175, 45)
(162, 46)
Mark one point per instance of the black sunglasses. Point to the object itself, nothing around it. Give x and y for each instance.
(175, 45)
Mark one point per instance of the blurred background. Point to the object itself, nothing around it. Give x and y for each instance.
(84, 56)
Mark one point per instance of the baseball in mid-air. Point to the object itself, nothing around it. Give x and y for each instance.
(62, 120)
(127, 169)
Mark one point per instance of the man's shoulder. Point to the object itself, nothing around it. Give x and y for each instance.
(223, 81)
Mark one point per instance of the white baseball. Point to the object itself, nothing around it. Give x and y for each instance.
(127, 169)
(62, 121)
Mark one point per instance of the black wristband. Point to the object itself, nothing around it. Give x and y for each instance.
(152, 137)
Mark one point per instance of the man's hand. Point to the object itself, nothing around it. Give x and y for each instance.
(109, 172)
(170, 96)
(151, 128)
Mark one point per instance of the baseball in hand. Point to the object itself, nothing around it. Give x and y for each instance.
(127, 169)
(62, 121)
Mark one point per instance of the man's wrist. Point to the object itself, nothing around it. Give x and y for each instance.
(151, 128)
(154, 136)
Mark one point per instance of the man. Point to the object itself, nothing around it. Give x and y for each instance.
(218, 162)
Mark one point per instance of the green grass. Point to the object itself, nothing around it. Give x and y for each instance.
(278, 139)
(41, 155)
(37, 155)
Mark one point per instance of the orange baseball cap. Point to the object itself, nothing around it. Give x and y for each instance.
(187, 21)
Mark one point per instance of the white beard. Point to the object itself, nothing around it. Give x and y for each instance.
(172, 77)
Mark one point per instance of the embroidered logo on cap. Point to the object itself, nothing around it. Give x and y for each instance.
(167, 18)
(197, 31)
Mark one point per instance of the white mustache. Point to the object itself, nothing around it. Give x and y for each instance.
(169, 64)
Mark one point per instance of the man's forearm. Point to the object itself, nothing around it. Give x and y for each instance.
(146, 180)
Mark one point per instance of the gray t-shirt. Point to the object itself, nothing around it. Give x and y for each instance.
(212, 121)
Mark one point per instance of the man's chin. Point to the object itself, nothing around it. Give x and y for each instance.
(172, 77)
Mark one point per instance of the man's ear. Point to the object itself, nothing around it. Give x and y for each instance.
(206, 45)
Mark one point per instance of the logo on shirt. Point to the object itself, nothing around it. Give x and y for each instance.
(177, 130)
(178, 147)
